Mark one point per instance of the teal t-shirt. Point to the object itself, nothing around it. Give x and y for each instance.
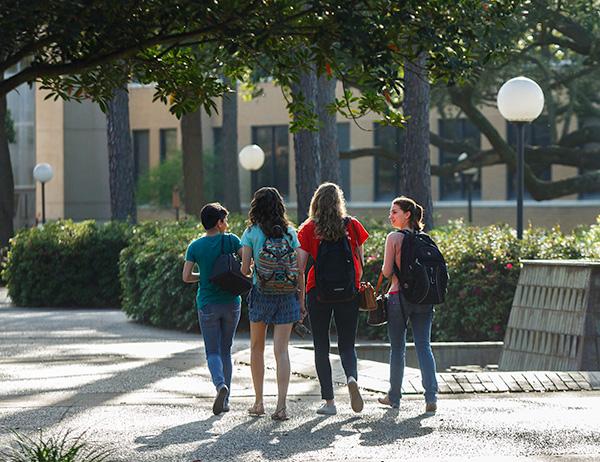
(254, 238)
(204, 251)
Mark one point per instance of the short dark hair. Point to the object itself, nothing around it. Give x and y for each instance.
(211, 214)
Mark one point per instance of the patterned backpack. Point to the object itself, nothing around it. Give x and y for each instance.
(277, 267)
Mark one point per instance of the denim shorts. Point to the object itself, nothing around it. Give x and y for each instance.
(273, 309)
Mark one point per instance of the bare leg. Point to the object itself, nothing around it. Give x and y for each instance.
(258, 332)
(281, 338)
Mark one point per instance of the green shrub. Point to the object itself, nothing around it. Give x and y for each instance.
(66, 264)
(150, 273)
(483, 264)
(155, 187)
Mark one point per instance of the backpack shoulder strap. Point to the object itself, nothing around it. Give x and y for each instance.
(347, 220)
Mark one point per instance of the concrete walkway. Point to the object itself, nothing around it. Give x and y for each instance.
(373, 377)
(146, 394)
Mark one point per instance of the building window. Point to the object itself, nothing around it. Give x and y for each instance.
(274, 141)
(386, 171)
(454, 187)
(168, 143)
(141, 152)
(343, 132)
(537, 133)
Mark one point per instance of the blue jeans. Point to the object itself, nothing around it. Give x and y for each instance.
(420, 318)
(346, 321)
(218, 323)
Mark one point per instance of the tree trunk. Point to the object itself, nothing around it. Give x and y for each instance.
(306, 148)
(120, 158)
(229, 152)
(415, 165)
(328, 139)
(193, 171)
(7, 185)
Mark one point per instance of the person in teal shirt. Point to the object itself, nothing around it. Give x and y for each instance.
(218, 310)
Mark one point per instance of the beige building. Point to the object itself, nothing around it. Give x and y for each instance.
(72, 138)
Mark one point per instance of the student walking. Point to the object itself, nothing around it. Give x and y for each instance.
(334, 241)
(406, 216)
(271, 243)
(218, 310)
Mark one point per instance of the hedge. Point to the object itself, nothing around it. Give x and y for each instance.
(483, 265)
(150, 273)
(66, 264)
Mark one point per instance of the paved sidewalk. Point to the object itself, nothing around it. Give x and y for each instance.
(372, 377)
(146, 394)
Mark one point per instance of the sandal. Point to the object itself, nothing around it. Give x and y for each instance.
(257, 410)
(279, 414)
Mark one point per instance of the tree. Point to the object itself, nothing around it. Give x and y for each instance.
(306, 143)
(328, 139)
(557, 51)
(87, 49)
(229, 149)
(415, 168)
(193, 169)
(7, 202)
(120, 158)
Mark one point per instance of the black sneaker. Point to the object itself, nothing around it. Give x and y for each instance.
(220, 400)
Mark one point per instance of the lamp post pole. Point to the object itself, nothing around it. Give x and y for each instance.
(43, 173)
(520, 176)
(520, 101)
(469, 180)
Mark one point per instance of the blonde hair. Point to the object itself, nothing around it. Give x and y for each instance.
(327, 211)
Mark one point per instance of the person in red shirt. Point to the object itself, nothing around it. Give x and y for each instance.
(329, 223)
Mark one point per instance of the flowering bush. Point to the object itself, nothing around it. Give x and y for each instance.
(484, 266)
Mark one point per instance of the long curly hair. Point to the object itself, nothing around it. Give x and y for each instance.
(327, 211)
(267, 211)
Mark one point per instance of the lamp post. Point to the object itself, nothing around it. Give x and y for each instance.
(43, 173)
(520, 101)
(468, 176)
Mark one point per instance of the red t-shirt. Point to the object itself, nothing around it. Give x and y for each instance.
(310, 243)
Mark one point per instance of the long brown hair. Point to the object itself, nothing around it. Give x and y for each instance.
(327, 211)
(267, 211)
(416, 211)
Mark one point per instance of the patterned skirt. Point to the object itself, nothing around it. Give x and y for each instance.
(273, 309)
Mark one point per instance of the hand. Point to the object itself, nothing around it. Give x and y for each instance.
(303, 311)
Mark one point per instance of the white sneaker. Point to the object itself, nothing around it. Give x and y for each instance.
(356, 400)
(327, 409)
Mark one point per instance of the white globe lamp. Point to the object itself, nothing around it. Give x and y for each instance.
(252, 157)
(43, 173)
(520, 101)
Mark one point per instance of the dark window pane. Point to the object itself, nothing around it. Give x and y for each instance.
(537, 133)
(386, 170)
(141, 156)
(275, 171)
(344, 145)
(168, 143)
(454, 188)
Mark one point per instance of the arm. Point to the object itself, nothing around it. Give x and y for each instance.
(302, 260)
(188, 275)
(393, 242)
(361, 256)
(246, 257)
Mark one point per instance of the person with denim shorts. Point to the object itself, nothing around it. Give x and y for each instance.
(405, 213)
(267, 219)
(218, 310)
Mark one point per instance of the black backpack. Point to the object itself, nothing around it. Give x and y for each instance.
(334, 271)
(423, 274)
(227, 274)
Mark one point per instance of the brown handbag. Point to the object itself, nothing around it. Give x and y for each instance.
(366, 293)
(378, 316)
(366, 297)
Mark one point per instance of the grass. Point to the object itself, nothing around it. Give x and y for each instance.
(64, 447)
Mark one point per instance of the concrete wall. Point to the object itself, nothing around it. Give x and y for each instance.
(87, 193)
